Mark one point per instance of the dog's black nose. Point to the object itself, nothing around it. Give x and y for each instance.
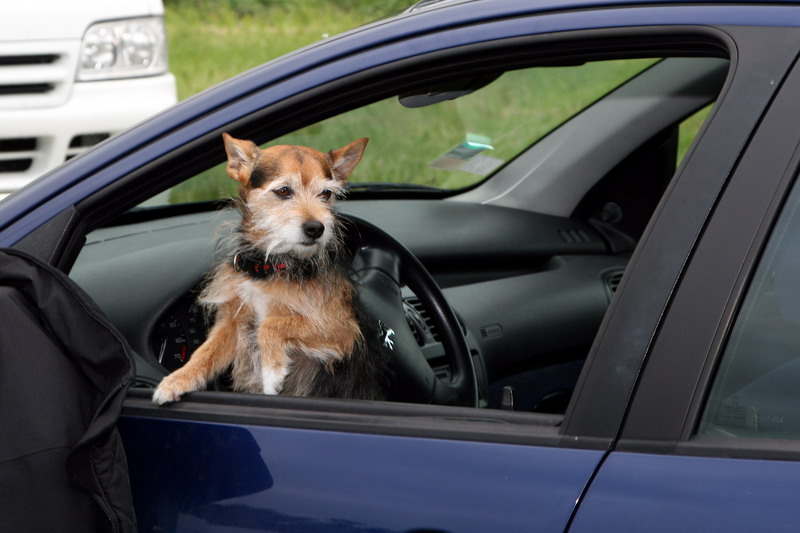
(313, 229)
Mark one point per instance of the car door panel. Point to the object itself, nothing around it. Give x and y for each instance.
(659, 493)
(285, 476)
(225, 477)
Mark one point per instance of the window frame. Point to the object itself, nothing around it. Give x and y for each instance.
(589, 423)
(596, 433)
(690, 339)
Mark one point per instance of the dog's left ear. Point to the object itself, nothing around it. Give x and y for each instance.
(345, 159)
(242, 156)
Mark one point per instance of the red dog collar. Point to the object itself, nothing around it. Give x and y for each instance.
(256, 268)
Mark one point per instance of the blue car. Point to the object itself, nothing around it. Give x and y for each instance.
(590, 229)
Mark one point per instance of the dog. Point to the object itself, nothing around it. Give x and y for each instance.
(287, 319)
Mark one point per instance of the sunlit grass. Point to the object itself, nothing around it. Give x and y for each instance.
(212, 41)
(688, 130)
(513, 112)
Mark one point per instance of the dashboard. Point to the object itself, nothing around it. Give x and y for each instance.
(529, 289)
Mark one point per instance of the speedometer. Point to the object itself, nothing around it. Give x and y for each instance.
(179, 332)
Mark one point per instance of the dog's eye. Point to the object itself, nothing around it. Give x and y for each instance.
(326, 195)
(283, 192)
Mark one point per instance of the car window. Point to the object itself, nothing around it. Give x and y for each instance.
(452, 144)
(613, 148)
(756, 392)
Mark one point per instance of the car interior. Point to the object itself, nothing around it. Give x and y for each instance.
(524, 212)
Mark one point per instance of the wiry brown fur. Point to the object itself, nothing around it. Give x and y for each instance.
(299, 331)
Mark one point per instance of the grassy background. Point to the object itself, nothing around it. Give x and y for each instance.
(212, 40)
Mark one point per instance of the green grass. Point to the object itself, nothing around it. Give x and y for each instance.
(513, 112)
(688, 130)
(211, 41)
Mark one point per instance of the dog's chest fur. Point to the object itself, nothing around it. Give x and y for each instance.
(257, 300)
(318, 302)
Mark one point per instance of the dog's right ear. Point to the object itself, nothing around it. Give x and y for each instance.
(345, 159)
(242, 156)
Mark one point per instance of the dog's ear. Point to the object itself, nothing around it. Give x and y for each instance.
(345, 159)
(242, 156)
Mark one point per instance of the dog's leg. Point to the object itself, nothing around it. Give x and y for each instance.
(274, 341)
(278, 336)
(210, 359)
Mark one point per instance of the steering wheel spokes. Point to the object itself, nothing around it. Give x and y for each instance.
(382, 266)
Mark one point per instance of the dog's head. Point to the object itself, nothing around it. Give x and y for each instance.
(287, 193)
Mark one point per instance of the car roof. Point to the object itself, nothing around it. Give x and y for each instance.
(476, 16)
(424, 5)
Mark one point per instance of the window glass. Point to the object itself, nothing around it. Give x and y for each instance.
(451, 144)
(757, 389)
(689, 128)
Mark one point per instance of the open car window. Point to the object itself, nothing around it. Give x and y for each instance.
(448, 136)
(529, 286)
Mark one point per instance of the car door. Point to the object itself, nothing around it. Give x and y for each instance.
(710, 439)
(232, 463)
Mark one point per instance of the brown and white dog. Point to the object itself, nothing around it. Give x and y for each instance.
(286, 311)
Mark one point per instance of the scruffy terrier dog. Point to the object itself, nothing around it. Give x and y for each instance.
(287, 314)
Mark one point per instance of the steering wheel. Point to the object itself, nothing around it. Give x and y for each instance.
(382, 265)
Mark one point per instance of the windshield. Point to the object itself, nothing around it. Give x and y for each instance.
(453, 144)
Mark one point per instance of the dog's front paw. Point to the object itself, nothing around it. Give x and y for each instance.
(171, 389)
(164, 395)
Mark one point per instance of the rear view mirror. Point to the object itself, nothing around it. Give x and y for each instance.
(442, 92)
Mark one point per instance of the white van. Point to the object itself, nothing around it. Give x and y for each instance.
(74, 73)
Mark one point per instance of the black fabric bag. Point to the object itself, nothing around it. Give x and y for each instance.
(64, 372)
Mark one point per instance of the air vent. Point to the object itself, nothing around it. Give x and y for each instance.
(26, 88)
(573, 236)
(39, 80)
(87, 140)
(15, 165)
(81, 143)
(612, 280)
(37, 59)
(420, 322)
(17, 154)
(18, 144)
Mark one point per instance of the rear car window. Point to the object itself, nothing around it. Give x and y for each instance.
(756, 392)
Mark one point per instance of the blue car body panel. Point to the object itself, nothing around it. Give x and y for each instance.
(219, 477)
(665, 493)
